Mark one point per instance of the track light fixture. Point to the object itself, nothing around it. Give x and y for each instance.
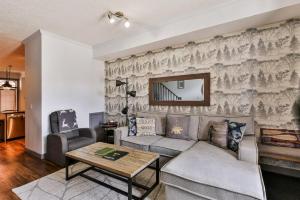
(117, 17)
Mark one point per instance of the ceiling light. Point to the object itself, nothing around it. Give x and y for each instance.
(7, 85)
(127, 24)
(111, 17)
(112, 20)
(114, 17)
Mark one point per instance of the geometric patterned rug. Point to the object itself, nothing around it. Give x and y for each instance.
(55, 187)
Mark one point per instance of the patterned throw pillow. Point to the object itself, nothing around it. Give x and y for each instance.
(178, 127)
(217, 133)
(235, 134)
(67, 120)
(132, 129)
(145, 126)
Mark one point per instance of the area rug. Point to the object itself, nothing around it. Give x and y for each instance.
(55, 187)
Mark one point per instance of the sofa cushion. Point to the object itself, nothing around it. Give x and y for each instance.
(214, 171)
(193, 127)
(171, 147)
(140, 142)
(218, 133)
(71, 134)
(160, 121)
(78, 142)
(178, 127)
(204, 125)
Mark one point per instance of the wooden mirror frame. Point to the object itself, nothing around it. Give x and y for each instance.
(205, 102)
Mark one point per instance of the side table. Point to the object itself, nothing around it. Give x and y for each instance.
(108, 129)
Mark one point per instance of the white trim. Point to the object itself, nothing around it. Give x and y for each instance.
(42, 32)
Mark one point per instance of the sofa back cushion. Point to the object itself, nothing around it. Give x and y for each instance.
(218, 133)
(160, 121)
(194, 127)
(204, 123)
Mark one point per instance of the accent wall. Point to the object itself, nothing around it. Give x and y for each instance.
(255, 71)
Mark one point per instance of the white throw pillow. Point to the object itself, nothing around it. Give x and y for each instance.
(145, 126)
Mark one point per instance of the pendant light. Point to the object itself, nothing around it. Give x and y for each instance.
(6, 85)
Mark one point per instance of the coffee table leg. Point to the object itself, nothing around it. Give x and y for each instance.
(130, 189)
(157, 171)
(67, 168)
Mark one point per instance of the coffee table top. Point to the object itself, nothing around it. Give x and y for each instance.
(128, 166)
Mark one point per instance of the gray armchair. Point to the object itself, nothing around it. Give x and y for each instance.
(66, 136)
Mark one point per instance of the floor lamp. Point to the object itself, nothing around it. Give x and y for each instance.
(128, 93)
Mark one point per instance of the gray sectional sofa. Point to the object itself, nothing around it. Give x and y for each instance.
(194, 169)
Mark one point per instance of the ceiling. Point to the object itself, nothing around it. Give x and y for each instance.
(151, 21)
(83, 20)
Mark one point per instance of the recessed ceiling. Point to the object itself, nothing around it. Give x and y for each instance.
(82, 20)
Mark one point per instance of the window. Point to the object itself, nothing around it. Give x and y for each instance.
(9, 97)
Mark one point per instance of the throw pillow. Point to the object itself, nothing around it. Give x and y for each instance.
(132, 129)
(235, 134)
(145, 126)
(67, 120)
(160, 121)
(217, 133)
(178, 127)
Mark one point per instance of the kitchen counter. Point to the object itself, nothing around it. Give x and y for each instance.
(14, 124)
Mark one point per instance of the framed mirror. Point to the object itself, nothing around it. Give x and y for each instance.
(184, 90)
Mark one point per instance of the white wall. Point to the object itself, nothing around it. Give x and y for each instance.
(33, 96)
(70, 78)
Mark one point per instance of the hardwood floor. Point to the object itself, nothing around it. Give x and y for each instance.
(18, 168)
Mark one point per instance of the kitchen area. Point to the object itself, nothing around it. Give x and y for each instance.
(12, 98)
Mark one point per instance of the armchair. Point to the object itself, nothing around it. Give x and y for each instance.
(66, 136)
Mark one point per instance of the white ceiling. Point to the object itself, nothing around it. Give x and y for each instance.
(152, 20)
(82, 20)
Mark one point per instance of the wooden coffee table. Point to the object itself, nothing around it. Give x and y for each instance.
(124, 169)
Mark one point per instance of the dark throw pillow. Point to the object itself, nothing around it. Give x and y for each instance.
(178, 127)
(67, 120)
(132, 129)
(235, 134)
(218, 133)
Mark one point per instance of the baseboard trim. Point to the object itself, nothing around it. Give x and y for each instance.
(35, 154)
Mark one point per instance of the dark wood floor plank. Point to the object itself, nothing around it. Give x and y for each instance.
(18, 168)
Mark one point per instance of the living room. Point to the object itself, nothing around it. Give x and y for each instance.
(135, 100)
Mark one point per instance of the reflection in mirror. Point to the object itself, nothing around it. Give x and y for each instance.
(181, 90)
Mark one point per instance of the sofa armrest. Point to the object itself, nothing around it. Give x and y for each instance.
(87, 132)
(120, 133)
(248, 150)
(57, 146)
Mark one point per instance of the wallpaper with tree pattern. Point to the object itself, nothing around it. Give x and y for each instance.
(255, 71)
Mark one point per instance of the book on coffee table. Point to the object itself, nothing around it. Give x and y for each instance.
(110, 153)
(115, 155)
(104, 151)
